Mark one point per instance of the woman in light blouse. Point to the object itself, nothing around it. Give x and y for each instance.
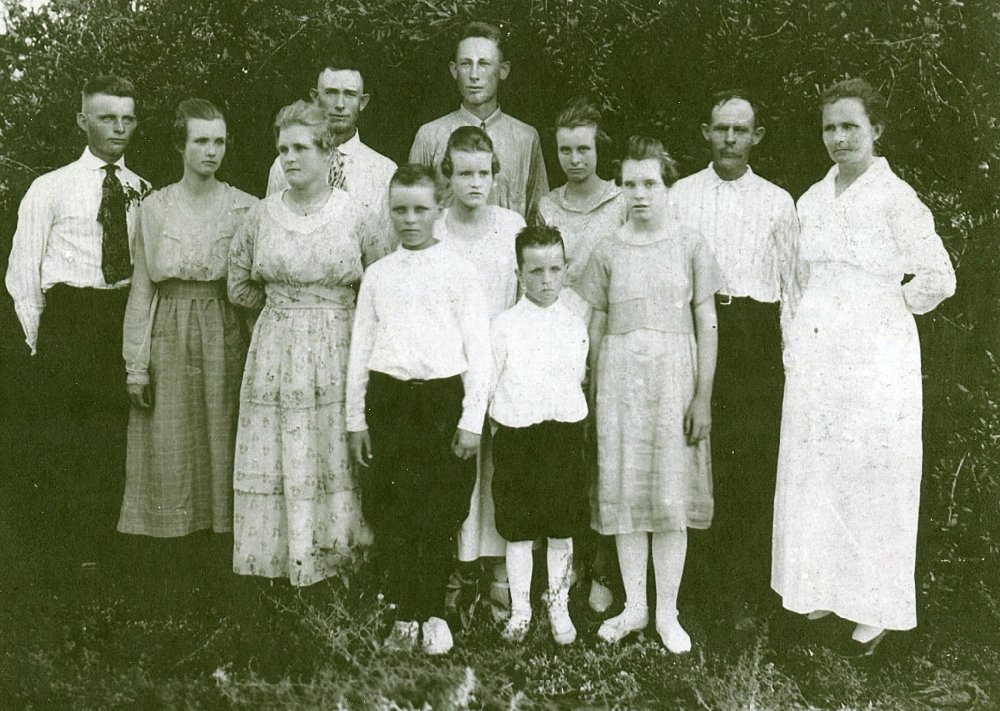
(183, 346)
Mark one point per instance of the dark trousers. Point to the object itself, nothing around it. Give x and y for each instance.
(416, 492)
(731, 561)
(79, 418)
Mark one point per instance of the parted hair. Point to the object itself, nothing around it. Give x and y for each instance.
(538, 235)
(581, 111)
(193, 109)
(410, 174)
(647, 147)
(857, 88)
(109, 84)
(721, 97)
(481, 29)
(304, 113)
(341, 60)
(468, 139)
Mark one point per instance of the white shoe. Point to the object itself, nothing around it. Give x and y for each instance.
(517, 626)
(437, 636)
(674, 637)
(563, 631)
(404, 635)
(600, 597)
(619, 627)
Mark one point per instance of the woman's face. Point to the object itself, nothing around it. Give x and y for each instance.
(302, 160)
(471, 177)
(205, 146)
(644, 190)
(577, 152)
(848, 133)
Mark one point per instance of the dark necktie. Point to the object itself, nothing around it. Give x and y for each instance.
(337, 178)
(116, 263)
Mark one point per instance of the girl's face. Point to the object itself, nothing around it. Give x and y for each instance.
(302, 160)
(644, 190)
(205, 146)
(848, 133)
(577, 152)
(471, 177)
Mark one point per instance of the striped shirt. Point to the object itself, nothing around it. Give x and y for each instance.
(521, 182)
(749, 224)
(366, 174)
(58, 238)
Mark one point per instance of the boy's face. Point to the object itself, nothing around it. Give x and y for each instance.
(471, 177)
(542, 272)
(413, 211)
(478, 69)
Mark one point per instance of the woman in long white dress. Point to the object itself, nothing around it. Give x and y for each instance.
(849, 468)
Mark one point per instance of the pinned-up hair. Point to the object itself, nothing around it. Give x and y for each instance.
(648, 148)
(304, 113)
(875, 105)
(468, 139)
(189, 109)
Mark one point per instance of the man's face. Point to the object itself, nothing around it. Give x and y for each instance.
(341, 94)
(478, 70)
(732, 134)
(109, 122)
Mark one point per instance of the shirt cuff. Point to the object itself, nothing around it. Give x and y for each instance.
(138, 377)
(472, 421)
(356, 423)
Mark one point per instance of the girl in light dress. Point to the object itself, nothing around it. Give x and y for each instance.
(297, 257)
(484, 235)
(183, 345)
(652, 347)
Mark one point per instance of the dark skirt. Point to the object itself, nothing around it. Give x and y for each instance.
(539, 481)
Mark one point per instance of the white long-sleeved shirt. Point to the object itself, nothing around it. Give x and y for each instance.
(539, 362)
(58, 238)
(366, 175)
(749, 224)
(421, 315)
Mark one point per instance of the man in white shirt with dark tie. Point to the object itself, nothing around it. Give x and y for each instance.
(363, 172)
(69, 271)
(479, 67)
(751, 226)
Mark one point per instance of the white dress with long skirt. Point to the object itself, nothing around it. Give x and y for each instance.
(492, 254)
(296, 507)
(849, 468)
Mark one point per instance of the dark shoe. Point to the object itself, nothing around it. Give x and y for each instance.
(866, 650)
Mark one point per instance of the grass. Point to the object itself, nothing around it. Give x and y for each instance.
(166, 626)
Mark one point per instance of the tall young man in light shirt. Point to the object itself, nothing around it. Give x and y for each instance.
(69, 271)
(751, 226)
(478, 69)
(340, 92)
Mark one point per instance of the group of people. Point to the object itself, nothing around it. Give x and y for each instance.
(418, 357)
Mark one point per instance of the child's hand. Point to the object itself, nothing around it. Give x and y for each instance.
(698, 419)
(465, 444)
(360, 446)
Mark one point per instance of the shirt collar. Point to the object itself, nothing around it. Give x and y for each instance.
(877, 170)
(608, 193)
(351, 145)
(474, 120)
(741, 183)
(92, 162)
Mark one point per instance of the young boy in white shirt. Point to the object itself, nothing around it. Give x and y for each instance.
(539, 482)
(417, 391)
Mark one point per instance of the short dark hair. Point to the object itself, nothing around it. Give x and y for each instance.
(304, 113)
(193, 109)
(484, 30)
(539, 235)
(110, 85)
(647, 147)
(726, 95)
(873, 102)
(340, 61)
(581, 111)
(468, 139)
(410, 174)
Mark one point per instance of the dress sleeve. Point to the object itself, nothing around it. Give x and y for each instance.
(24, 268)
(136, 329)
(706, 277)
(923, 254)
(593, 283)
(243, 291)
(362, 344)
(475, 326)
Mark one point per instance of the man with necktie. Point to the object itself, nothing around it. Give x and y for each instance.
(751, 227)
(478, 68)
(69, 272)
(361, 171)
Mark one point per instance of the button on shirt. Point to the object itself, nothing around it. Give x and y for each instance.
(521, 182)
(750, 226)
(367, 173)
(539, 362)
(58, 238)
